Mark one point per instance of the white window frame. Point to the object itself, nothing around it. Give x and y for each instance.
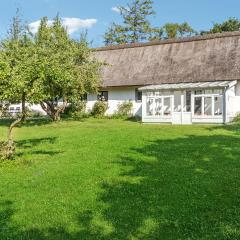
(203, 96)
(162, 97)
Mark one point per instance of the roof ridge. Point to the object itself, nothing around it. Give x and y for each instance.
(170, 41)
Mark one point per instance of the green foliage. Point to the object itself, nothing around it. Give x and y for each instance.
(237, 119)
(6, 152)
(65, 69)
(17, 78)
(232, 24)
(34, 113)
(17, 59)
(125, 109)
(76, 109)
(176, 30)
(44, 68)
(4, 110)
(99, 109)
(136, 27)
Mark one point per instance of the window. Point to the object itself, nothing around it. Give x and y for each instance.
(208, 106)
(11, 108)
(188, 101)
(138, 95)
(84, 97)
(209, 103)
(150, 106)
(18, 109)
(158, 106)
(177, 102)
(198, 105)
(218, 106)
(218, 91)
(199, 92)
(167, 106)
(103, 96)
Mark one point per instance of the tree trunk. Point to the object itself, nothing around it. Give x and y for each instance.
(10, 141)
(52, 111)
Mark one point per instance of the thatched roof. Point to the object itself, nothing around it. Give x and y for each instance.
(213, 57)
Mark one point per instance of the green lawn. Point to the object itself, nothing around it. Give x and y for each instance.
(115, 179)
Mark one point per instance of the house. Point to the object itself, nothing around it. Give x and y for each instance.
(183, 81)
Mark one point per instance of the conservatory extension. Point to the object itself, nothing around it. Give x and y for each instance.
(187, 103)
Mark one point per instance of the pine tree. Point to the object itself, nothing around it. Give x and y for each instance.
(136, 26)
(17, 27)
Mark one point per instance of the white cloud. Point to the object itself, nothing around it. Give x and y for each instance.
(116, 9)
(33, 27)
(73, 25)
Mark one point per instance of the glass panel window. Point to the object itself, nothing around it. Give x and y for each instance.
(177, 102)
(199, 92)
(188, 101)
(103, 96)
(218, 106)
(167, 106)
(208, 91)
(158, 106)
(208, 106)
(198, 105)
(150, 94)
(84, 97)
(166, 93)
(150, 106)
(138, 95)
(217, 91)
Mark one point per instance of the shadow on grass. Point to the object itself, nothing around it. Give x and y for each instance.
(27, 123)
(185, 188)
(232, 127)
(30, 145)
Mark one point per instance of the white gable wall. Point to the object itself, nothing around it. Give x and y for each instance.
(117, 96)
(233, 102)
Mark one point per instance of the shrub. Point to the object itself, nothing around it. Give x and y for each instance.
(6, 151)
(99, 109)
(34, 113)
(125, 109)
(76, 109)
(237, 118)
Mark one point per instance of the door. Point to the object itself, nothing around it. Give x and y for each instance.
(177, 108)
(182, 107)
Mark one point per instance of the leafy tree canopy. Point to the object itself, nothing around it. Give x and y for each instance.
(136, 26)
(44, 68)
(232, 24)
(65, 69)
(176, 30)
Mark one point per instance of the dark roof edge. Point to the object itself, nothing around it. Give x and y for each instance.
(170, 41)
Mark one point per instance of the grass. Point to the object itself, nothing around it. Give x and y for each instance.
(116, 179)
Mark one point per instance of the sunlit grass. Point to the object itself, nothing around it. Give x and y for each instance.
(116, 179)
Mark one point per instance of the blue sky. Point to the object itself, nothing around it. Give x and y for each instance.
(97, 15)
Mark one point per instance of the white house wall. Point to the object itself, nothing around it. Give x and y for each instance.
(117, 96)
(233, 102)
(33, 107)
